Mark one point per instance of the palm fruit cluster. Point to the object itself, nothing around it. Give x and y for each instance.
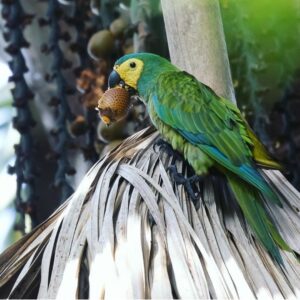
(16, 19)
(103, 46)
(59, 101)
(73, 46)
(123, 29)
(115, 36)
(91, 84)
(106, 41)
(120, 27)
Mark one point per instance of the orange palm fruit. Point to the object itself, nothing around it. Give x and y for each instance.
(114, 105)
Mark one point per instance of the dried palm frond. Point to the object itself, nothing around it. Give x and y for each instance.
(130, 232)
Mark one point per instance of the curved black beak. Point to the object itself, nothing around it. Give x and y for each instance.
(114, 79)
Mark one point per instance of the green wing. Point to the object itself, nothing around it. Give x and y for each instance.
(216, 126)
(211, 123)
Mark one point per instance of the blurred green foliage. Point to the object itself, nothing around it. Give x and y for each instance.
(263, 41)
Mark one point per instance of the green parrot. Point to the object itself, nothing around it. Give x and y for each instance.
(209, 131)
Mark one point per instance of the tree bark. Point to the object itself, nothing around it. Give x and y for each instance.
(197, 43)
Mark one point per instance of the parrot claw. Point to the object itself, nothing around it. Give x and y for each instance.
(186, 181)
(178, 177)
(167, 148)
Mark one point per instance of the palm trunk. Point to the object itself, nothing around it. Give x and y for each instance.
(197, 42)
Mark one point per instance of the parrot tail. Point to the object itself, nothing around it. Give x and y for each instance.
(250, 202)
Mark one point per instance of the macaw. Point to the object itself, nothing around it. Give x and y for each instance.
(209, 131)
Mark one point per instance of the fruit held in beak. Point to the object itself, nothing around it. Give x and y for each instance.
(114, 105)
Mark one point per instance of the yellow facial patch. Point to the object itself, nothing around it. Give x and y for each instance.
(130, 71)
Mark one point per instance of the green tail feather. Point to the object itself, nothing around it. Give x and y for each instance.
(249, 200)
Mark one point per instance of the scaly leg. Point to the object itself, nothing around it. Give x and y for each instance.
(167, 148)
(187, 182)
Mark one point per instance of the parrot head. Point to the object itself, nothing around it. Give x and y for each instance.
(137, 72)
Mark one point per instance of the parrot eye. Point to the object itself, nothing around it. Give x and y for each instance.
(132, 65)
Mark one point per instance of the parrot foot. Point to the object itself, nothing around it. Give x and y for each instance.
(187, 182)
(167, 148)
